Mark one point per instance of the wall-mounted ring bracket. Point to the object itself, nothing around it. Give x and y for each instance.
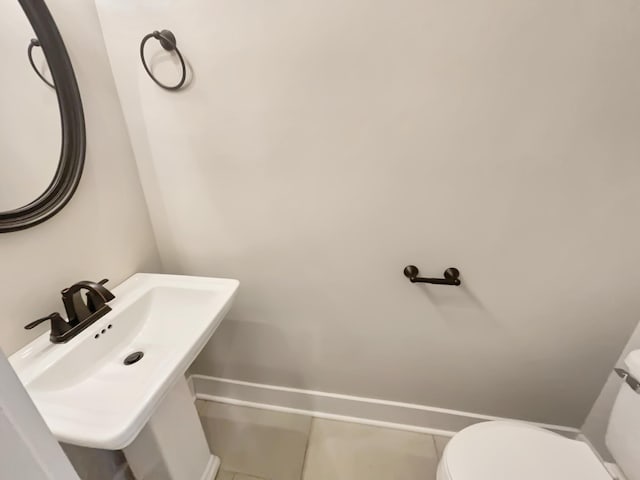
(167, 41)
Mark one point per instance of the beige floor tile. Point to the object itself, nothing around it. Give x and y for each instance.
(441, 442)
(347, 451)
(242, 476)
(222, 475)
(262, 443)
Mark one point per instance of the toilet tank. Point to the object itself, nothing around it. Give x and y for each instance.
(623, 432)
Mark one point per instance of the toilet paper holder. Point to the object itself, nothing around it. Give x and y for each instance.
(451, 276)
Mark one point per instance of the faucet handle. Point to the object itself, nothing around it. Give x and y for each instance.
(37, 322)
(58, 324)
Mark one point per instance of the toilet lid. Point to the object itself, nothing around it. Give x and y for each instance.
(504, 450)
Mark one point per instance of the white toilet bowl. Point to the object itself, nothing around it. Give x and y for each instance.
(510, 450)
(506, 450)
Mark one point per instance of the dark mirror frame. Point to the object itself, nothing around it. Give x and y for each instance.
(73, 145)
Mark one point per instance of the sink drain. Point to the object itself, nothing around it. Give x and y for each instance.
(133, 358)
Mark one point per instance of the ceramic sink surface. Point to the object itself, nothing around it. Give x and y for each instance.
(82, 388)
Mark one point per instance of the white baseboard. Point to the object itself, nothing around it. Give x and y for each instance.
(211, 470)
(334, 406)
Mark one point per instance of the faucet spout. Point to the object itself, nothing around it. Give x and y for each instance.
(97, 297)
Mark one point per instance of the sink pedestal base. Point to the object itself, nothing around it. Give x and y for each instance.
(172, 445)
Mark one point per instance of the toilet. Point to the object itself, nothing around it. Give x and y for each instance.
(510, 450)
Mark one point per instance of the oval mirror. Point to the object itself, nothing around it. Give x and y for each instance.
(43, 132)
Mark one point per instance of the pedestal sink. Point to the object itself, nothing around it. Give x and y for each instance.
(120, 383)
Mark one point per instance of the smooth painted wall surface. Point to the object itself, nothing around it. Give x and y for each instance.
(595, 426)
(105, 230)
(323, 145)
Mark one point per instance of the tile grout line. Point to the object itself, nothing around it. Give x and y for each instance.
(306, 448)
(435, 447)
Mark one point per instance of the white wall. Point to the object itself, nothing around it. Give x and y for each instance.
(324, 145)
(105, 230)
(595, 425)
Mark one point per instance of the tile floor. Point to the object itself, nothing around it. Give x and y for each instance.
(256, 444)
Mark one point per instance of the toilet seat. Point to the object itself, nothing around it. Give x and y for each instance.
(505, 450)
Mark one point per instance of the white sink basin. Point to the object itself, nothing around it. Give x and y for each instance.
(82, 388)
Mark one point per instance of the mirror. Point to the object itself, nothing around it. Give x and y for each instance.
(30, 133)
(42, 139)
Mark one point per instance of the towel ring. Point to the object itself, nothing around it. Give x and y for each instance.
(36, 43)
(168, 41)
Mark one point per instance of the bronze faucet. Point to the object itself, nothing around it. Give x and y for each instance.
(79, 314)
(97, 297)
